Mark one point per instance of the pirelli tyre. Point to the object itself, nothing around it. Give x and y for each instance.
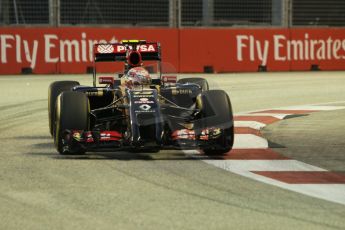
(71, 113)
(196, 80)
(216, 114)
(54, 90)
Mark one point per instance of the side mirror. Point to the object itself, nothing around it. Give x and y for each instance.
(169, 80)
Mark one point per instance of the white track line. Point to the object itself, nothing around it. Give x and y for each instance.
(249, 141)
(276, 115)
(330, 192)
(250, 124)
(263, 165)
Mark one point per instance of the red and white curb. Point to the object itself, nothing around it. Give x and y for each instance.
(251, 157)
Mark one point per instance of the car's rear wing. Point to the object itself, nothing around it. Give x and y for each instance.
(149, 51)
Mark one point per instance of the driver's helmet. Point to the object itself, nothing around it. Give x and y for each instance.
(137, 76)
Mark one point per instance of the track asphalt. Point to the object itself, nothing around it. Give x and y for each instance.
(40, 189)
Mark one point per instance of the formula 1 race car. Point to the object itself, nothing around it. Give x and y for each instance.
(137, 112)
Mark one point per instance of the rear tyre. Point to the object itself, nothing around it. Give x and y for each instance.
(216, 112)
(54, 90)
(71, 113)
(199, 81)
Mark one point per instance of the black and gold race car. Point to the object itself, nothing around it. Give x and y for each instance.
(136, 111)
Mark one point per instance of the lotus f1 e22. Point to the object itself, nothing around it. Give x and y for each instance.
(136, 111)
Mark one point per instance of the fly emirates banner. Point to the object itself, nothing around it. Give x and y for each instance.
(70, 49)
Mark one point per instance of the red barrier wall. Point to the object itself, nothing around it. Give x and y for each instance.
(67, 50)
(230, 50)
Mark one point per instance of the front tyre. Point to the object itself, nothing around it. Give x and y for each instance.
(71, 113)
(54, 91)
(216, 113)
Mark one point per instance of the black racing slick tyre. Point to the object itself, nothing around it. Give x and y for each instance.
(54, 90)
(199, 81)
(216, 112)
(71, 113)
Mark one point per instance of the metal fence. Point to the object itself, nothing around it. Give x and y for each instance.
(318, 13)
(226, 13)
(24, 12)
(173, 13)
(112, 12)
